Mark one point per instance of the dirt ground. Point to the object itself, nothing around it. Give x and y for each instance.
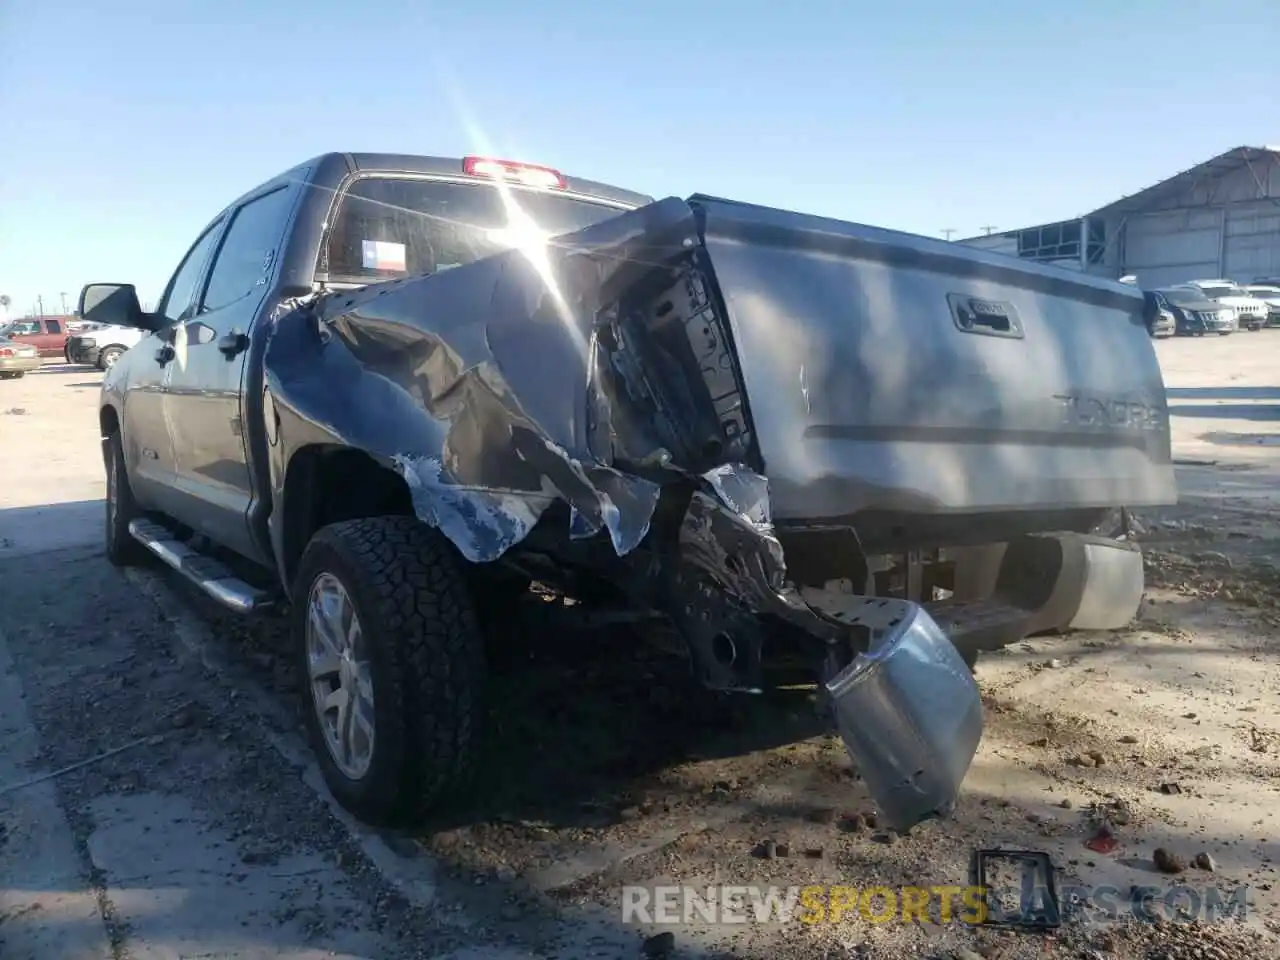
(157, 800)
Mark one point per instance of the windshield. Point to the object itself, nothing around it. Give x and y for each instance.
(1222, 290)
(1267, 292)
(1181, 295)
(389, 227)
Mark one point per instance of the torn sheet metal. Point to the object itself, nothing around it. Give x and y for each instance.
(728, 576)
(477, 384)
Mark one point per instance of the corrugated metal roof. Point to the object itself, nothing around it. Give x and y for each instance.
(1224, 163)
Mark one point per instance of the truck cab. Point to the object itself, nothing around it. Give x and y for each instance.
(340, 221)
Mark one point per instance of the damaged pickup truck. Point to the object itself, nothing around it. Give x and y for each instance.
(379, 390)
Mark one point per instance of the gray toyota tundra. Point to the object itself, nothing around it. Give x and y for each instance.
(380, 391)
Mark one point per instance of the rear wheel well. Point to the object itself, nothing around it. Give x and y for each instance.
(108, 421)
(326, 485)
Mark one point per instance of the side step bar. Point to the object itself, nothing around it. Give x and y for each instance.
(210, 575)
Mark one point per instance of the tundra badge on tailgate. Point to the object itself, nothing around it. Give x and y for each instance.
(1081, 410)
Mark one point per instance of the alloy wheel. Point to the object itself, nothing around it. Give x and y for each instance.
(340, 675)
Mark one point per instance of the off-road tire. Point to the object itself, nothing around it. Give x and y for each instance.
(121, 548)
(114, 352)
(426, 654)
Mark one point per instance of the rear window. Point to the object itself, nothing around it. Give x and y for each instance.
(389, 227)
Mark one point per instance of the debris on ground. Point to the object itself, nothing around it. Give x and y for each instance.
(1167, 862)
(1204, 861)
(1103, 839)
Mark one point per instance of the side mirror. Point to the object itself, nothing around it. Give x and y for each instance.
(113, 304)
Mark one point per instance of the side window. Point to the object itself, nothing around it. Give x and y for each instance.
(248, 253)
(24, 329)
(182, 288)
(52, 326)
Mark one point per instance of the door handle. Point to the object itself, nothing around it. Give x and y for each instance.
(233, 343)
(165, 354)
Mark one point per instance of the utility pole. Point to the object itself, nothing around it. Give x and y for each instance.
(39, 306)
(946, 234)
(64, 303)
(988, 230)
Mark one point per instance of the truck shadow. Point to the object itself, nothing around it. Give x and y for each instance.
(582, 724)
(588, 722)
(1228, 438)
(59, 367)
(1224, 411)
(1223, 393)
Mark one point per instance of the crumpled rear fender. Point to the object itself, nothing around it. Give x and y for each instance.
(481, 385)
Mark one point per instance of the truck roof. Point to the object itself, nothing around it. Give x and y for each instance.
(337, 166)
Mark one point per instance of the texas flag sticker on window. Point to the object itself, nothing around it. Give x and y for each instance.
(382, 255)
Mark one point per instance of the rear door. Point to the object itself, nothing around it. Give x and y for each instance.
(204, 388)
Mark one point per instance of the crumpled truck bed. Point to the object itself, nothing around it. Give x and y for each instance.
(635, 383)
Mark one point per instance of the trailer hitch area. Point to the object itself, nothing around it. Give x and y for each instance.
(905, 703)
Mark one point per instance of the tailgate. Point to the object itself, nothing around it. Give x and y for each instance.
(892, 372)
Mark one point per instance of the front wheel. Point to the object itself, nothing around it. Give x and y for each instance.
(392, 666)
(108, 357)
(122, 549)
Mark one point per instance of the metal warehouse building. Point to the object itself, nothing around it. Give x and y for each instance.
(1221, 218)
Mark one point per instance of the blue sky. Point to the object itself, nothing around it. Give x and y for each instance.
(128, 124)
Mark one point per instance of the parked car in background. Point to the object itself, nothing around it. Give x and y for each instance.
(101, 346)
(1251, 313)
(1160, 317)
(47, 334)
(17, 359)
(1270, 295)
(1194, 314)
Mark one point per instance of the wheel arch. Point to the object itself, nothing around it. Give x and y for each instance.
(326, 484)
(108, 420)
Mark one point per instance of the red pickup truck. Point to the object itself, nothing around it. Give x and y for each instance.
(47, 334)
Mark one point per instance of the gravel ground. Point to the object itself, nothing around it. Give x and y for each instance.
(211, 835)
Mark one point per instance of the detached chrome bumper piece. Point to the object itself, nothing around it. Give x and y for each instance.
(909, 714)
(908, 709)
